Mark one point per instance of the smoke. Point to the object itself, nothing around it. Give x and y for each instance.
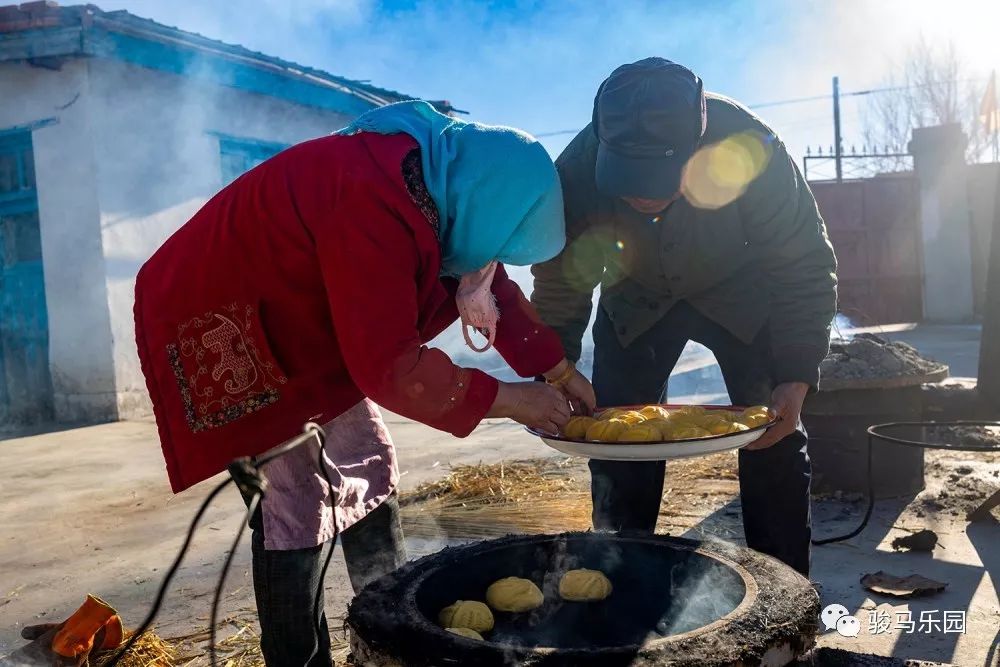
(842, 328)
(504, 62)
(507, 62)
(425, 536)
(706, 591)
(706, 598)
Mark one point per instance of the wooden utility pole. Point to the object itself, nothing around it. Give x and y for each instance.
(837, 152)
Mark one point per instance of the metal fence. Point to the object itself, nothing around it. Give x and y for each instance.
(874, 225)
(822, 165)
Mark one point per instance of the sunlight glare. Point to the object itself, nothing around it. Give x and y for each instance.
(719, 173)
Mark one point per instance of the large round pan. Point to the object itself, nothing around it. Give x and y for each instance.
(656, 451)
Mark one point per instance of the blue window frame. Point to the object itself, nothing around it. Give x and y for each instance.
(17, 170)
(239, 155)
(25, 383)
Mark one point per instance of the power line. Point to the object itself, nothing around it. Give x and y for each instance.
(859, 93)
(813, 98)
(797, 100)
(555, 133)
(894, 89)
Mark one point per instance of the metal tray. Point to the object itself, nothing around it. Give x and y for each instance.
(656, 451)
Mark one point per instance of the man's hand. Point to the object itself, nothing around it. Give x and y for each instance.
(575, 386)
(786, 402)
(580, 393)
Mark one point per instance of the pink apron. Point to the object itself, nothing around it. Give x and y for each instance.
(297, 511)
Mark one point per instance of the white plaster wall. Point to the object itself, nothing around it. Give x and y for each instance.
(947, 252)
(79, 326)
(157, 164)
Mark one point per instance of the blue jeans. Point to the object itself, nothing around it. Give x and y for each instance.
(774, 482)
(286, 584)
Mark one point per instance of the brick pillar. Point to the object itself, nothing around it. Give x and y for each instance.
(939, 157)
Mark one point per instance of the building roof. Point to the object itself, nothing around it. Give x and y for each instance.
(45, 34)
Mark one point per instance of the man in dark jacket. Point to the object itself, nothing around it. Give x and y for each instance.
(688, 212)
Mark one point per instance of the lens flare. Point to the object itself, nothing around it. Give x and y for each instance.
(620, 245)
(591, 249)
(716, 175)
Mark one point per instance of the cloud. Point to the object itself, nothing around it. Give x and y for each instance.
(537, 64)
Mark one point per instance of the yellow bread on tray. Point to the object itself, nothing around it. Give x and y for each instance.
(655, 423)
(632, 417)
(664, 426)
(721, 427)
(654, 412)
(606, 431)
(471, 614)
(514, 594)
(755, 420)
(709, 420)
(689, 432)
(686, 418)
(644, 432)
(577, 427)
(693, 410)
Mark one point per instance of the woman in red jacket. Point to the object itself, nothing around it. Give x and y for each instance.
(306, 291)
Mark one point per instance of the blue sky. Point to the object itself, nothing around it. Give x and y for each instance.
(536, 65)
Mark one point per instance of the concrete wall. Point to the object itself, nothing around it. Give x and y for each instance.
(157, 163)
(983, 183)
(939, 159)
(80, 345)
(131, 155)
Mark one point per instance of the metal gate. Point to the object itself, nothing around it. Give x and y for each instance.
(874, 225)
(25, 383)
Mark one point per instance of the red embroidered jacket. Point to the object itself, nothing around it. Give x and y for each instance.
(308, 283)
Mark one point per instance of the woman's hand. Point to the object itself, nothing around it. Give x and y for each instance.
(575, 386)
(534, 404)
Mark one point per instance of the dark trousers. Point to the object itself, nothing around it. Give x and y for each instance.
(287, 583)
(774, 482)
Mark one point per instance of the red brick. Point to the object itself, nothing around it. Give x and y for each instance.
(39, 6)
(29, 15)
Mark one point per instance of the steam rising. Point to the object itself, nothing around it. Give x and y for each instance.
(842, 328)
(658, 591)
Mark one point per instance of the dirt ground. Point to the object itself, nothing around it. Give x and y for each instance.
(89, 511)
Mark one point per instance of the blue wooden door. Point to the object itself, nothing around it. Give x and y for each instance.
(25, 382)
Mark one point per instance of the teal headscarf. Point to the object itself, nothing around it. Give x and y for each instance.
(495, 188)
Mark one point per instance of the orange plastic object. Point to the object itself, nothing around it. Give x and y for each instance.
(76, 636)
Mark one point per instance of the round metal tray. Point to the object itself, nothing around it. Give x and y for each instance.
(656, 451)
